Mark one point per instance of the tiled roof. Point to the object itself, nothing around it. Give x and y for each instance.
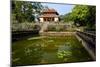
(49, 10)
(49, 15)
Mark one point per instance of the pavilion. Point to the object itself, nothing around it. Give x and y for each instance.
(49, 15)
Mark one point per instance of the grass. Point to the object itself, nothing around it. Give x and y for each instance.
(48, 50)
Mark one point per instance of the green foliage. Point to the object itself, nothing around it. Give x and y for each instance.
(80, 14)
(92, 17)
(25, 11)
(84, 15)
(67, 17)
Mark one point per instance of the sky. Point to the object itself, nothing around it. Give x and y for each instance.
(60, 8)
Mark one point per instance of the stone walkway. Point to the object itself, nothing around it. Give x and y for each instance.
(44, 26)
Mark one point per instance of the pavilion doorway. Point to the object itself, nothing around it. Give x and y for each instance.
(49, 19)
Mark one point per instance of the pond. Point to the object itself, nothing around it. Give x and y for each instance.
(48, 50)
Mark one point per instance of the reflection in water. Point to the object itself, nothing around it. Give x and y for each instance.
(48, 50)
(64, 51)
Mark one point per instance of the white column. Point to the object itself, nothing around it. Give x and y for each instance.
(56, 19)
(41, 19)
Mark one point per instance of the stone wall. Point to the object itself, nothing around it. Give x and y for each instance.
(88, 42)
(57, 33)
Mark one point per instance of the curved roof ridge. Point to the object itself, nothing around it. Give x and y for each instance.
(49, 10)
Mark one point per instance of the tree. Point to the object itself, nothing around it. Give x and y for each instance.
(91, 19)
(67, 17)
(79, 14)
(25, 11)
(84, 15)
